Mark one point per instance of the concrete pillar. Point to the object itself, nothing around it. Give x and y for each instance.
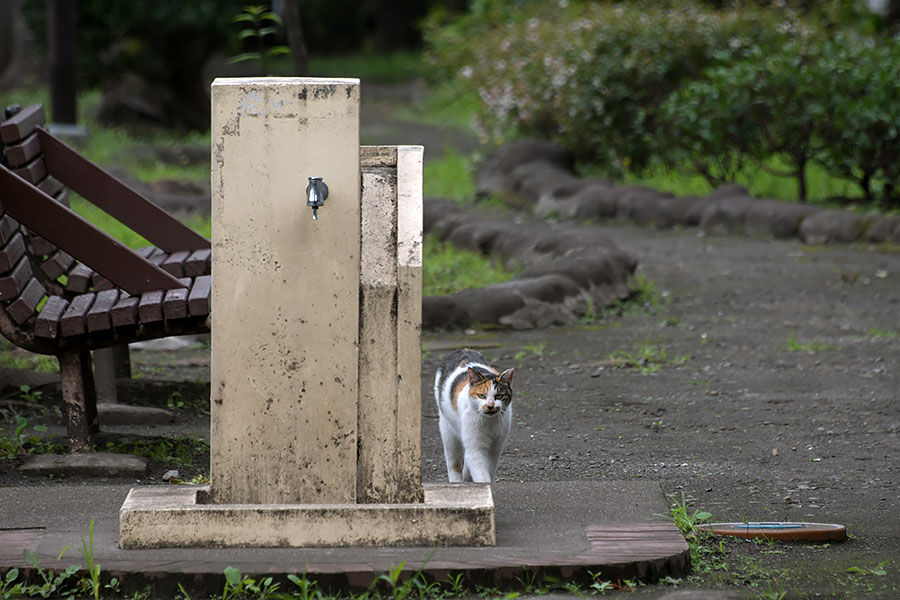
(316, 343)
(285, 297)
(390, 423)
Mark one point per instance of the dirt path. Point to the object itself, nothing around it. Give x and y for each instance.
(746, 428)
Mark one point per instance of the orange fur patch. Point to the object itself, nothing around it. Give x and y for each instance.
(457, 466)
(482, 388)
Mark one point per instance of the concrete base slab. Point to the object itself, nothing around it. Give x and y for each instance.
(570, 530)
(177, 517)
(124, 414)
(93, 464)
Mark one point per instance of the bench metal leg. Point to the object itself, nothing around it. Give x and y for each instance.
(80, 397)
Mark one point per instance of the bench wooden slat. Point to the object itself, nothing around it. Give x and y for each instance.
(23, 307)
(47, 323)
(174, 263)
(24, 151)
(81, 239)
(125, 312)
(33, 172)
(198, 299)
(175, 303)
(12, 285)
(197, 263)
(40, 246)
(98, 317)
(150, 307)
(52, 186)
(100, 282)
(21, 124)
(72, 322)
(11, 253)
(8, 226)
(57, 264)
(116, 198)
(79, 279)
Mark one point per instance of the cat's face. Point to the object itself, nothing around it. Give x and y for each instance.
(490, 395)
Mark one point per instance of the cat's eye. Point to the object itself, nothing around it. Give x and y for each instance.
(482, 396)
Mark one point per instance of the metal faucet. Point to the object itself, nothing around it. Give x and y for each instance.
(316, 192)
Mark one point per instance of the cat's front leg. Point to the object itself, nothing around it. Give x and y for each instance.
(478, 466)
(453, 451)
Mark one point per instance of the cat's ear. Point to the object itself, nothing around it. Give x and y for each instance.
(507, 376)
(475, 377)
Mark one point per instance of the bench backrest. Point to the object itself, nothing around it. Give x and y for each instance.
(50, 256)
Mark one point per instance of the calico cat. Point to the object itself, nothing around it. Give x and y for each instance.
(475, 405)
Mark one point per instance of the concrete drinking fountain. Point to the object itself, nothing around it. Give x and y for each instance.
(316, 353)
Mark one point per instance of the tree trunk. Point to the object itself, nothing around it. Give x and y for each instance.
(801, 161)
(294, 27)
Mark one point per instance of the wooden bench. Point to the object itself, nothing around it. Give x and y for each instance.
(66, 287)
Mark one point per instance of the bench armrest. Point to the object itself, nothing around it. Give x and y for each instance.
(117, 199)
(70, 232)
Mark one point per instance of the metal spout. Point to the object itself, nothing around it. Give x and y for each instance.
(316, 193)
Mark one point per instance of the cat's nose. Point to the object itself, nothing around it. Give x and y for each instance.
(490, 408)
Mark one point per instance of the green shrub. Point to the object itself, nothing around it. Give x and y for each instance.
(592, 76)
(830, 101)
(711, 123)
(861, 137)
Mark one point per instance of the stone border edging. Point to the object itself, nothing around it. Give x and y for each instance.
(539, 175)
(566, 271)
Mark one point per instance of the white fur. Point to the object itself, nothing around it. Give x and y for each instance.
(469, 434)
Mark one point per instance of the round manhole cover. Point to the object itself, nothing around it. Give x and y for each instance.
(815, 532)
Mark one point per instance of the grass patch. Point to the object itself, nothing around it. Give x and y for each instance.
(26, 439)
(822, 188)
(135, 152)
(178, 452)
(450, 177)
(14, 358)
(200, 224)
(794, 345)
(647, 358)
(643, 297)
(447, 269)
(882, 334)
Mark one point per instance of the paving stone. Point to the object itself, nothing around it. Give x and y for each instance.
(125, 414)
(94, 464)
(704, 595)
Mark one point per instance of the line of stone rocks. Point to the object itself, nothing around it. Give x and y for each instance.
(566, 271)
(540, 176)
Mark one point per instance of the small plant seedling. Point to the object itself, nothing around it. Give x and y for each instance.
(261, 23)
(793, 345)
(29, 394)
(878, 571)
(457, 584)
